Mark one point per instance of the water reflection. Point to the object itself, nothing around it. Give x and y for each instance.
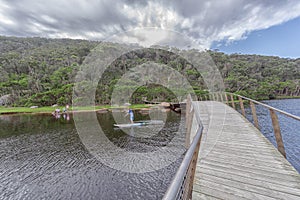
(43, 158)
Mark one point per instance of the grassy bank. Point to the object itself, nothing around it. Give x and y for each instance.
(49, 109)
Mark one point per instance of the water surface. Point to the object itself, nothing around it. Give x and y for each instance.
(290, 128)
(43, 158)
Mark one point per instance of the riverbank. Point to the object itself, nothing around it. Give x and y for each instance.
(49, 109)
(287, 97)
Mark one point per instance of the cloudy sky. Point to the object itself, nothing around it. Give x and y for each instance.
(229, 25)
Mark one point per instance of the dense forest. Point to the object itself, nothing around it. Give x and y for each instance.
(40, 71)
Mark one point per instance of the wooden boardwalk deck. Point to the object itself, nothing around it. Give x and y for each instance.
(237, 162)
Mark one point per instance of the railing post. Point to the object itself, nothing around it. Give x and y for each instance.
(189, 128)
(276, 127)
(226, 98)
(193, 170)
(221, 95)
(189, 120)
(232, 101)
(242, 106)
(255, 119)
(187, 108)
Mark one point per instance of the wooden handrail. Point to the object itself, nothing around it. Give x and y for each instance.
(267, 106)
(274, 118)
(182, 184)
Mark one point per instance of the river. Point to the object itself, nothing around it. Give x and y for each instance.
(290, 128)
(43, 157)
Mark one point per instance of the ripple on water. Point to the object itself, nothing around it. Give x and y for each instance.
(290, 128)
(50, 162)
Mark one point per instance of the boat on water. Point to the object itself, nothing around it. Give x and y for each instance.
(140, 123)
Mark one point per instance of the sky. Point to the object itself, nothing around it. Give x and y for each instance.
(268, 27)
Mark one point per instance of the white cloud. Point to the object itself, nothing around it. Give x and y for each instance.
(203, 21)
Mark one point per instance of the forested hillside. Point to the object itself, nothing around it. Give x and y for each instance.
(40, 71)
(259, 77)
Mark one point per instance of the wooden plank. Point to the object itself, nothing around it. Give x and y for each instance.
(226, 192)
(247, 185)
(284, 168)
(238, 162)
(239, 158)
(268, 176)
(204, 196)
(257, 181)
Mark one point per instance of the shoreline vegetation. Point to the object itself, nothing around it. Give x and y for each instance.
(43, 72)
(49, 109)
(97, 108)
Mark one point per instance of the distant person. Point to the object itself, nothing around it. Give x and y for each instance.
(66, 116)
(65, 109)
(56, 113)
(131, 115)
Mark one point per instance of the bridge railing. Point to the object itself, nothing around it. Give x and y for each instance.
(182, 184)
(233, 99)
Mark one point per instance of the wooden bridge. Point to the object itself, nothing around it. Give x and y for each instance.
(229, 158)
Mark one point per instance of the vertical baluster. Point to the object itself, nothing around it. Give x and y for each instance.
(194, 165)
(276, 127)
(189, 128)
(226, 98)
(254, 115)
(242, 106)
(188, 120)
(221, 95)
(232, 101)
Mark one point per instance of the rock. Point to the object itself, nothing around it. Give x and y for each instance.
(55, 105)
(34, 107)
(165, 104)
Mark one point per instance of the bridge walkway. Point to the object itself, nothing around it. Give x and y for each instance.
(236, 161)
